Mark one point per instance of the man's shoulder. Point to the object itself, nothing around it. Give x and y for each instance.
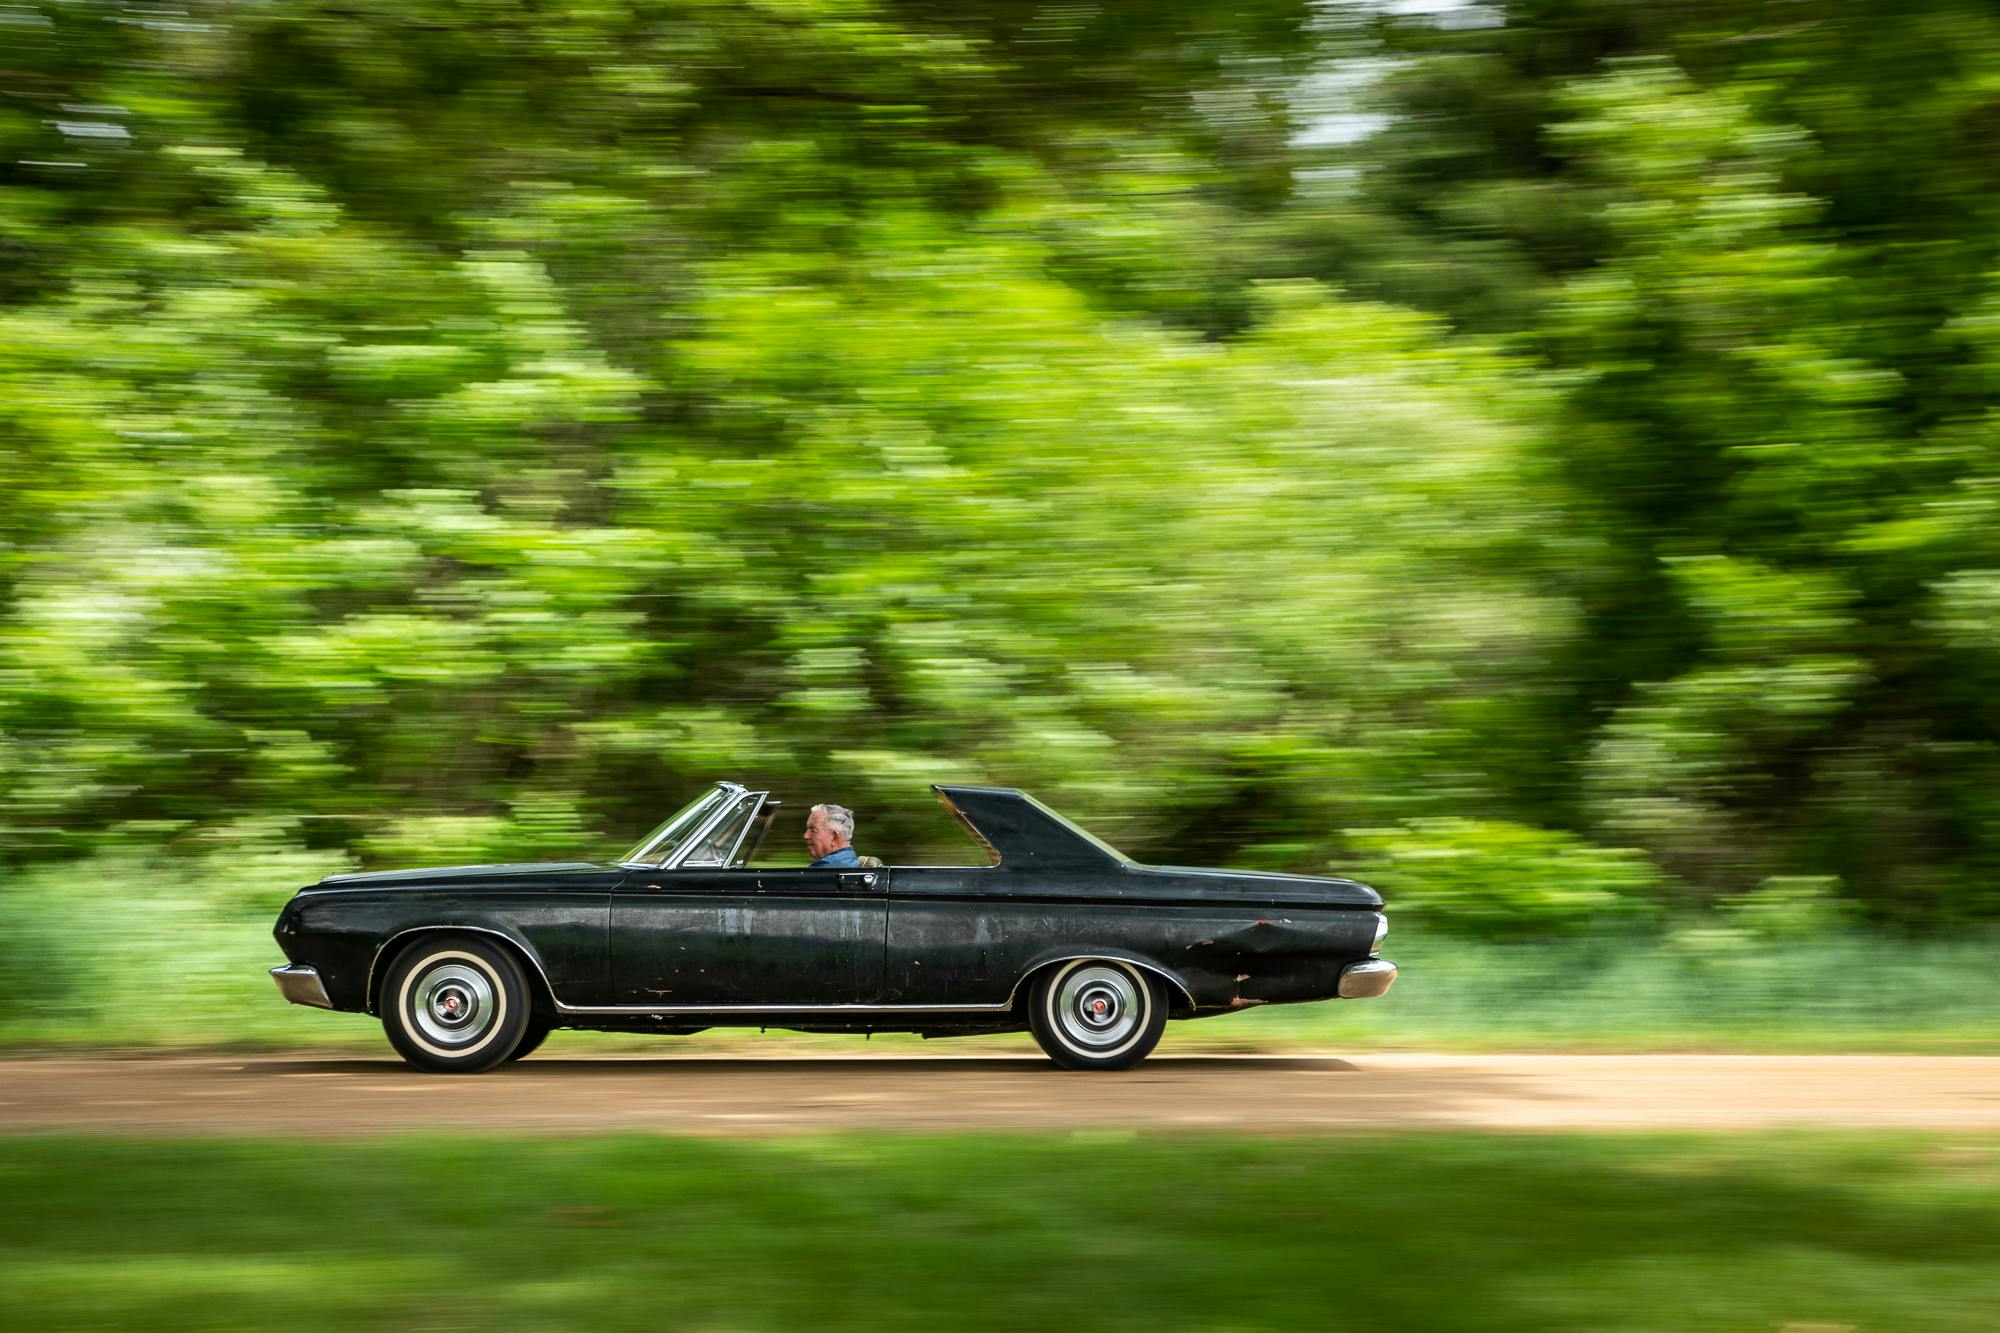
(843, 857)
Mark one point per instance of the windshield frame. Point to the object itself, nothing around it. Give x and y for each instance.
(745, 806)
(684, 828)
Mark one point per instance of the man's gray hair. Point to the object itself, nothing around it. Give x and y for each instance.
(838, 818)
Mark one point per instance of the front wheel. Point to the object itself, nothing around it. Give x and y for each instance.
(455, 1004)
(1097, 1013)
(531, 1040)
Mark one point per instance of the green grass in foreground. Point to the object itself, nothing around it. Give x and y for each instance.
(1432, 1231)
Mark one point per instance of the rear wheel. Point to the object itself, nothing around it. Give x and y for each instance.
(455, 1004)
(1097, 1013)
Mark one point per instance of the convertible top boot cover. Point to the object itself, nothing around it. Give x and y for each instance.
(1021, 833)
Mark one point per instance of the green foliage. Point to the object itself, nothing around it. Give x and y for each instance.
(1493, 879)
(1790, 907)
(455, 434)
(1704, 981)
(468, 578)
(184, 962)
(1757, 255)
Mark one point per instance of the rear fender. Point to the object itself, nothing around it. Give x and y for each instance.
(1180, 997)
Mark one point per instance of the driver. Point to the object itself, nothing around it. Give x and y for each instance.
(829, 835)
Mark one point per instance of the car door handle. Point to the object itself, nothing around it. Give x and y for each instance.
(866, 881)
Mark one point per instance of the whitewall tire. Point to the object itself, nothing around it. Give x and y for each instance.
(455, 1004)
(1097, 1013)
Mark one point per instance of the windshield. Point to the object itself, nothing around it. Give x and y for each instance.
(663, 841)
(718, 846)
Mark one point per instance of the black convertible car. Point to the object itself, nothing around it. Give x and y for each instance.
(473, 966)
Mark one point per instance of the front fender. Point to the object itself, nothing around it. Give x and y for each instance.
(393, 944)
(349, 936)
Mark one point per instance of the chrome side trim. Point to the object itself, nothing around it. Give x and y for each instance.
(301, 985)
(562, 1008)
(383, 948)
(782, 1008)
(1364, 981)
(1001, 1007)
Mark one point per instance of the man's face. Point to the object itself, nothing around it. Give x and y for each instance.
(819, 838)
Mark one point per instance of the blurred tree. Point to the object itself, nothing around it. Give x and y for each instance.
(463, 432)
(452, 429)
(1752, 242)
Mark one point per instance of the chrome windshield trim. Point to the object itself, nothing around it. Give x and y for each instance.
(748, 824)
(729, 792)
(725, 812)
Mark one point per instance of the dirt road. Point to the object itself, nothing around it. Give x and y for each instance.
(318, 1095)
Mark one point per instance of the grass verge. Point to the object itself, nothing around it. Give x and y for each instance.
(1091, 1231)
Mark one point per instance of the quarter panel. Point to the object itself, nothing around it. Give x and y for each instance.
(967, 936)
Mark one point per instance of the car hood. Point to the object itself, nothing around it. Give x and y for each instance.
(514, 875)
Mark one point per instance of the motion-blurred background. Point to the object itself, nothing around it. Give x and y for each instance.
(1536, 456)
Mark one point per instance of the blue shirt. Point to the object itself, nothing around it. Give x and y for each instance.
(841, 858)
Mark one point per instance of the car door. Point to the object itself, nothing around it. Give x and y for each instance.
(764, 938)
(705, 934)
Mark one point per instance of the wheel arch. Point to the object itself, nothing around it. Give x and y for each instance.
(394, 944)
(1180, 999)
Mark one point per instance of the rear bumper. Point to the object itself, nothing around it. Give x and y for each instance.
(301, 985)
(1364, 981)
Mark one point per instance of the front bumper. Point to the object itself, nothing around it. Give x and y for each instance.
(1364, 981)
(301, 985)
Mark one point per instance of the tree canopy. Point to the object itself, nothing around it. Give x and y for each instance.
(1551, 434)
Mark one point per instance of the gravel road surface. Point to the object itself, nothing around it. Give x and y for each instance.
(552, 1093)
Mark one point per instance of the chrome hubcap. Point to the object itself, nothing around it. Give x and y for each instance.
(452, 1004)
(1099, 1007)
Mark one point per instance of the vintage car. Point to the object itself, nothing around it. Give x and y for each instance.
(473, 966)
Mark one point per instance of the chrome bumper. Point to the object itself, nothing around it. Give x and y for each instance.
(1364, 981)
(301, 985)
